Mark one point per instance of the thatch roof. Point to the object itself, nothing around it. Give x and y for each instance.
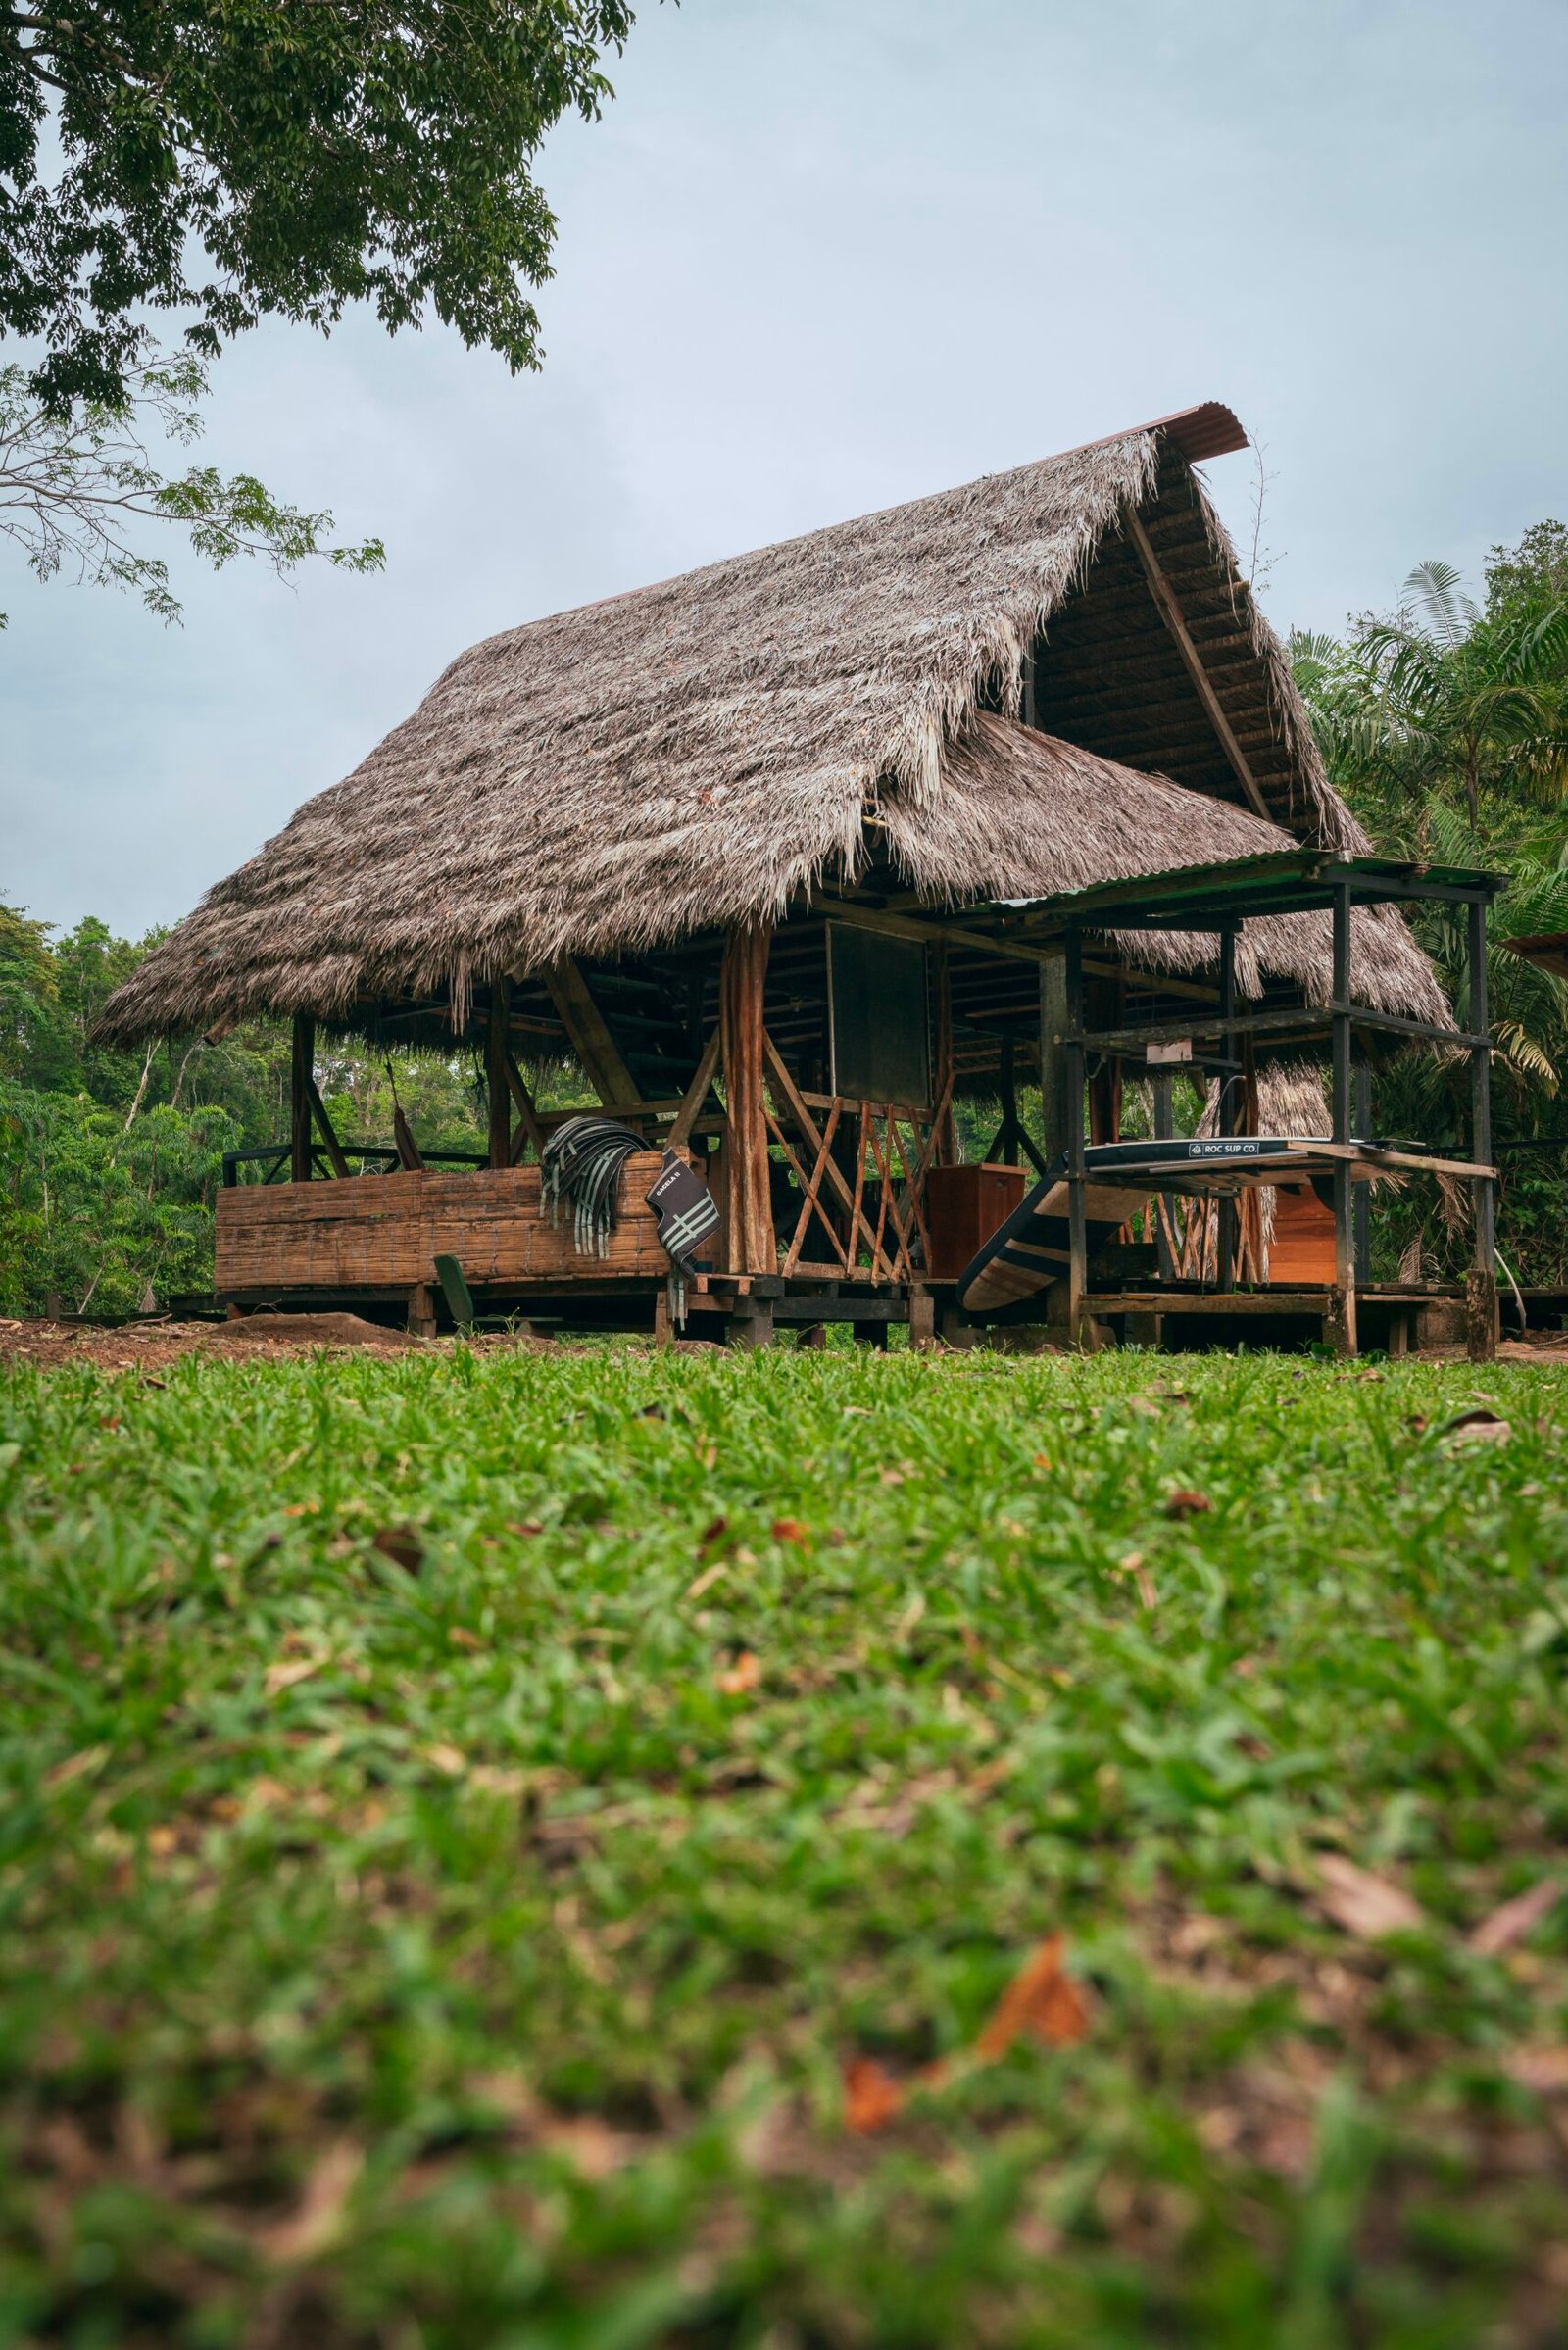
(702, 750)
(1021, 814)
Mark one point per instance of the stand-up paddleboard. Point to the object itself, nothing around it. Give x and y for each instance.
(1031, 1249)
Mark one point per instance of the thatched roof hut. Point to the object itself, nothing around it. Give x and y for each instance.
(1047, 677)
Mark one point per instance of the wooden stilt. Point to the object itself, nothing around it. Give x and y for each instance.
(923, 1319)
(1078, 1326)
(496, 1056)
(300, 1086)
(742, 981)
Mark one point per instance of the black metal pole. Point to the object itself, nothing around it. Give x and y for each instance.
(1077, 1226)
(1481, 1287)
(1361, 1090)
(1343, 1320)
(1228, 1095)
(1162, 1087)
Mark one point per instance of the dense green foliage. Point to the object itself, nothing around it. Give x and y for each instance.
(1446, 729)
(226, 160)
(445, 1943)
(108, 1160)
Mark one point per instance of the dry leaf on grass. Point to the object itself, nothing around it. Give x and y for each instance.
(283, 1675)
(706, 1581)
(788, 1529)
(1543, 2070)
(739, 1676)
(1364, 1905)
(1515, 1919)
(1133, 1565)
(401, 1544)
(317, 2221)
(1186, 1503)
(1042, 2000)
(1475, 1427)
(447, 1759)
(873, 2098)
(462, 1637)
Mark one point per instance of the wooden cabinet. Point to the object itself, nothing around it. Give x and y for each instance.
(963, 1207)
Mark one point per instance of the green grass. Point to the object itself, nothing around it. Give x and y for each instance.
(437, 1955)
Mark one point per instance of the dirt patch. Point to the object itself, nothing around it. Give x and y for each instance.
(150, 1346)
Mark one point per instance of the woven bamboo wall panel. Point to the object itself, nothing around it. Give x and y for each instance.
(376, 1230)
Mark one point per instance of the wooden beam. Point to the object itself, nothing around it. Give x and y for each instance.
(905, 926)
(696, 1093)
(302, 1061)
(795, 1102)
(496, 1055)
(529, 1129)
(752, 1246)
(588, 1036)
(334, 1148)
(1170, 611)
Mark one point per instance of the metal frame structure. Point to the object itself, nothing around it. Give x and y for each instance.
(1216, 900)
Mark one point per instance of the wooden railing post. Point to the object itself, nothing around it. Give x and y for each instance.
(302, 1061)
(748, 1224)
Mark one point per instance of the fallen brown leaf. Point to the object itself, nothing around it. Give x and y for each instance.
(447, 1759)
(789, 1529)
(284, 1675)
(706, 1581)
(527, 1527)
(1513, 1920)
(873, 2098)
(712, 1532)
(462, 1637)
(1042, 1999)
(1475, 1427)
(317, 2221)
(739, 1676)
(1185, 1502)
(402, 1545)
(1364, 1905)
(1544, 2070)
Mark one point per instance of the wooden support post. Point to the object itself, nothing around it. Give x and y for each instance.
(497, 1053)
(1342, 1316)
(588, 1036)
(1052, 1056)
(1229, 1104)
(741, 984)
(301, 1085)
(752, 1323)
(922, 1320)
(944, 1143)
(1481, 1285)
(422, 1310)
(1077, 1229)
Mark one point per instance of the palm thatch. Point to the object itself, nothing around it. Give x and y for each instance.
(1020, 815)
(702, 752)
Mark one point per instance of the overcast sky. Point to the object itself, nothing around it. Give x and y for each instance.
(822, 256)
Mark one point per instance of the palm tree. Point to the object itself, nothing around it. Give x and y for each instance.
(1452, 694)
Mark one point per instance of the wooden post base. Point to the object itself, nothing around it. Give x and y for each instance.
(1481, 1317)
(422, 1310)
(752, 1323)
(923, 1319)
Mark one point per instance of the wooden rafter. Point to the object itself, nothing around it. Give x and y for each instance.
(588, 1036)
(334, 1148)
(1170, 611)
